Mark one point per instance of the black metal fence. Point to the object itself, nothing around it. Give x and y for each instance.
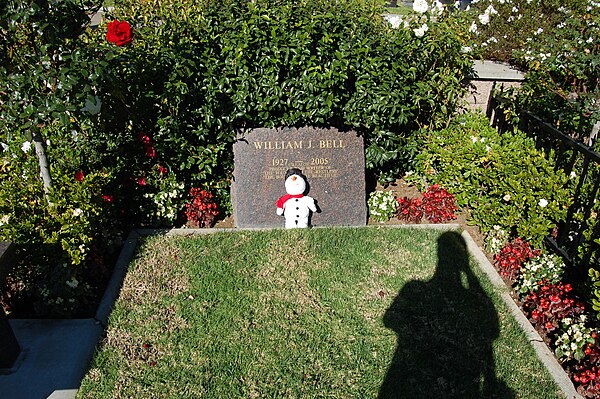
(577, 238)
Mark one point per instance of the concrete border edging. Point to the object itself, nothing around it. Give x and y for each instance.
(113, 288)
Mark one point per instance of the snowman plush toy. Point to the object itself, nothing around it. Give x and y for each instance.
(295, 206)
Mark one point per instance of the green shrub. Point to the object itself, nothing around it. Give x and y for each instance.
(502, 179)
(50, 80)
(198, 73)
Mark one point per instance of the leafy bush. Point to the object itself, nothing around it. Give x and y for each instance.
(556, 42)
(502, 179)
(225, 66)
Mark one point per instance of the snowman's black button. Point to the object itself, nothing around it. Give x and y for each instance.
(297, 208)
(297, 200)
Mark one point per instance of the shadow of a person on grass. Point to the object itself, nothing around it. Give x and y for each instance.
(445, 328)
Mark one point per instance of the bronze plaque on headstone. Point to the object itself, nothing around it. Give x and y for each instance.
(332, 161)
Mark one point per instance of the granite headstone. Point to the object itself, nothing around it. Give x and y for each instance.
(333, 162)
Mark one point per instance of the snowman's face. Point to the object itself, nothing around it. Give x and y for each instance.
(295, 185)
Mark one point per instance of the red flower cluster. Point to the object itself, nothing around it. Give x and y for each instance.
(587, 371)
(550, 304)
(410, 209)
(437, 205)
(119, 33)
(512, 256)
(148, 146)
(547, 307)
(203, 210)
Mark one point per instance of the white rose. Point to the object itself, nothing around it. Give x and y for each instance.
(394, 20)
(4, 220)
(419, 32)
(26, 146)
(491, 10)
(437, 8)
(420, 6)
(543, 203)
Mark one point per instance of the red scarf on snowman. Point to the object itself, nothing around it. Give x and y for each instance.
(282, 200)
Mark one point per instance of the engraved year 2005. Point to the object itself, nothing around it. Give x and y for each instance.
(319, 161)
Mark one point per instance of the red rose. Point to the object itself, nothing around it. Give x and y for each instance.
(119, 33)
(79, 176)
(144, 138)
(150, 151)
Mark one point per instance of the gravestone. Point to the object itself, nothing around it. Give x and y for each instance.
(332, 161)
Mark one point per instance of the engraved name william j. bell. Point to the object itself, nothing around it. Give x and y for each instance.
(299, 144)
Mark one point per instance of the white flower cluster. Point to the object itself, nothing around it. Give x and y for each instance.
(419, 22)
(382, 205)
(495, 239)
(26, 147)
(420, 6)
(484, 18)
(4, 220)
(165, 207)
(544, 267)
(481, 140)
(571, 344)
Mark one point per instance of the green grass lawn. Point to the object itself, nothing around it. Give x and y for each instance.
(319, 313)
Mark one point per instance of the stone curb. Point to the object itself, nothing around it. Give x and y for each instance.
(541, 349)
(114, 285)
